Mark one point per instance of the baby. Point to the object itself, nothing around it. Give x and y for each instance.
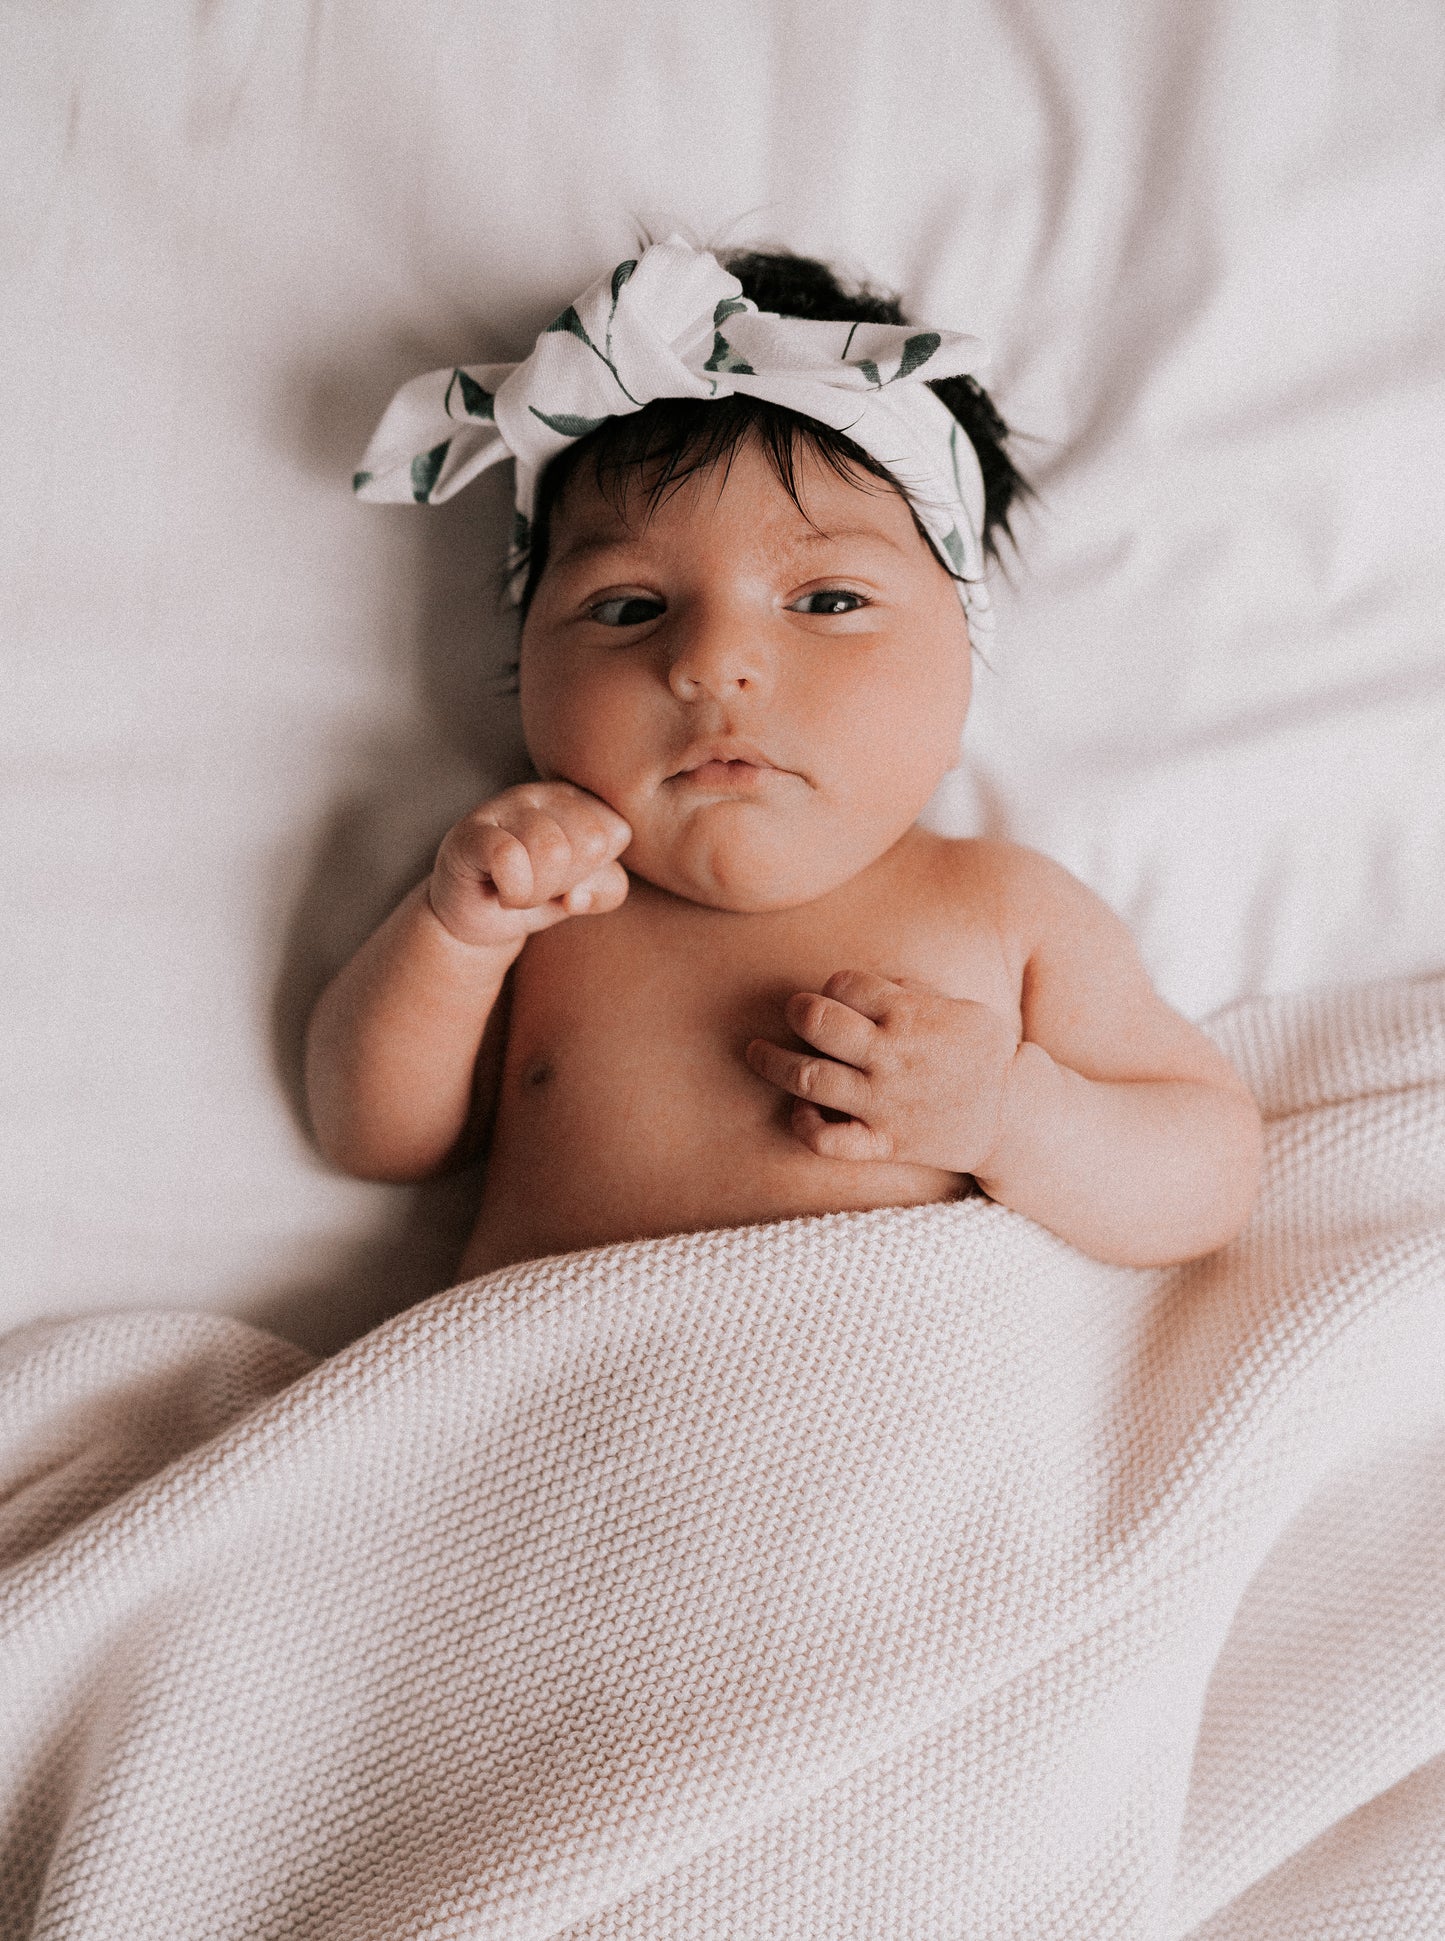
(709, 969)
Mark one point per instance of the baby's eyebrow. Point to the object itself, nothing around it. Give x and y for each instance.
(587, 545)
(870, 534)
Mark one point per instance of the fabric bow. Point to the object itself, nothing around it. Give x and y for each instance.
(673, 323)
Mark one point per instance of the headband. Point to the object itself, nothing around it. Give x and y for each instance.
(672, 323)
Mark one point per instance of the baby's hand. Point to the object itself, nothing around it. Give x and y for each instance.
(525, 860)
(921, 1076)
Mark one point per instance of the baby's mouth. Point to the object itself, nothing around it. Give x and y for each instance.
(733, 776)
(732, 767)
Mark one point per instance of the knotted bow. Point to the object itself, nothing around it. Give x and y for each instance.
(673, 323)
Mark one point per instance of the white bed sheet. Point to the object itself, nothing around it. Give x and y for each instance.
(1205, 242)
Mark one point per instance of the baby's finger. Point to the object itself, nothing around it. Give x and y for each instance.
(593, 827)
(571, 837)
(481, 849)
(833, 1027)
(874, 996)
(557, 865)
(550, 853)
(819, 1080)
(837, 1138)
(501, 858)
(605, 889)
(596, 830)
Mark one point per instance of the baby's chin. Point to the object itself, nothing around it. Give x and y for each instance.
(747, 877)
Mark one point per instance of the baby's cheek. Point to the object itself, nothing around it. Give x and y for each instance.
(603, 732)
(563, 750)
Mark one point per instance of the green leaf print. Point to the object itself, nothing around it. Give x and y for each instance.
(917, 351)
(426, 469)
(360, 480)
(725, 359)
(619, 277)
(953, 460)
(729, 307)
(565, 422)
(870, 371)
(569, 320)
(476, 402)
(953, 546)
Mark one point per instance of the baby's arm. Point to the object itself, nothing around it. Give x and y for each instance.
(1122, 1127)
(1112, 1120)
(393, 1044)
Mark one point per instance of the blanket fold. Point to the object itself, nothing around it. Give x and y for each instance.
(887, 1574)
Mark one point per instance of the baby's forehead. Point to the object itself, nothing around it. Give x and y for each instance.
(824, 507)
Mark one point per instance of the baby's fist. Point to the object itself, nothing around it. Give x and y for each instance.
(525, 860)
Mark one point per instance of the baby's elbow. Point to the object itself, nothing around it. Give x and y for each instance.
(361, 1151)
(1237, 1151)
(351, 1124)
(377, 1168)
(1247, 1168)
(364, 1152)
(1213, 1195)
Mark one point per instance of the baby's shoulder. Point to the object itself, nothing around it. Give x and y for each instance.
(1025, 894)
(1008, 870)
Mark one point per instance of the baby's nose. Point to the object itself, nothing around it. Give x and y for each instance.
(717, 654)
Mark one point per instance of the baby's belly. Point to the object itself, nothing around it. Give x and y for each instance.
(596, 1142)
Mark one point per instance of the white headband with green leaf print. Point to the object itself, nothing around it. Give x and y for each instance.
(674, 324)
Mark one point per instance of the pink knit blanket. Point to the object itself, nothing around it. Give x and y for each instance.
(897, 1574)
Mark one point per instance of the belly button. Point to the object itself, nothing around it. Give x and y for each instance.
(539, 1073)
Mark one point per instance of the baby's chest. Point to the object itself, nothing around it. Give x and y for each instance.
(654, 1014)
(627, 1106)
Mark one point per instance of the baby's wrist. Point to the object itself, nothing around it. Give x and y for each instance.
(1029, 1080)
(488, 952)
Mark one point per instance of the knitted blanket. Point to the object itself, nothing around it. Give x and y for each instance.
(897, 1574)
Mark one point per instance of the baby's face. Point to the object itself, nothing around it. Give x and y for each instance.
(768, 702)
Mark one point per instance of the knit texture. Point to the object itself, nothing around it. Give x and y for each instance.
(893, 1574)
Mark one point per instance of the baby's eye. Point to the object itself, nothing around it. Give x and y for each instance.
(831, 599)
(627, 610)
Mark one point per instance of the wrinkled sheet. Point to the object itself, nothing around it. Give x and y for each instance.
(1204, 242)
(896, 1573)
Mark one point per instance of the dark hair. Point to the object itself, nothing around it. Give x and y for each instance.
(671, 438)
